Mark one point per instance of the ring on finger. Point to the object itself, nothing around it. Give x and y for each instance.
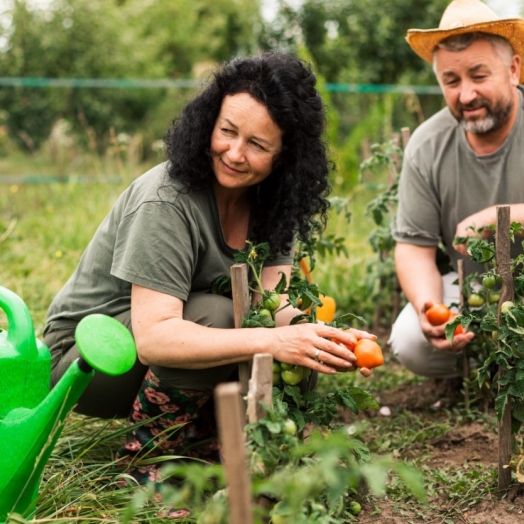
(317, 354)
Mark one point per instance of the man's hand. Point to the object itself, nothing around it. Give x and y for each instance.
(468, 227)
(436, 334)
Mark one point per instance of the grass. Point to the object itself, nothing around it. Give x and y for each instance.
(43, 231)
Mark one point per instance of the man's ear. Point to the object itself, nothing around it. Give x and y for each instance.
(514, 70)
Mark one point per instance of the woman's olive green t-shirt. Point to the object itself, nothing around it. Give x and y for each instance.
(158, 235)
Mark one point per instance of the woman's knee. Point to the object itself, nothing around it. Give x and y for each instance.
(210, 310)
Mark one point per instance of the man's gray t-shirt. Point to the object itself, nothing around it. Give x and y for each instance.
(444, 181)
(158, 235)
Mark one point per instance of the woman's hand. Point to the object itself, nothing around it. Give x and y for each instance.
(319, 347)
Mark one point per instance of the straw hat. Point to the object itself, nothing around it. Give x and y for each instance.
(468, 16)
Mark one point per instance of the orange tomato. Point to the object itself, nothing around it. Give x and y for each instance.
(368, 353)
(351, 345)
(326, 312)
(438, 314)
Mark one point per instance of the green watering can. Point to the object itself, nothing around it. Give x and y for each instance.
(32, 415)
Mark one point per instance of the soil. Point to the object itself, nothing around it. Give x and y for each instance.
(470, 443)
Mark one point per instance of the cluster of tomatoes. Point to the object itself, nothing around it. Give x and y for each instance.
(439, 314)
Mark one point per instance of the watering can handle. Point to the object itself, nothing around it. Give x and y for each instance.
(21, 332)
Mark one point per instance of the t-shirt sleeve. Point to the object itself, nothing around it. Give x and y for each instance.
(154, 248)
(418, 215)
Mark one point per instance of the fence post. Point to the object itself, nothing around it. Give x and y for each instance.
(465, 358)
(240, 291)
(260, 387)
(503, 258)
(230, 420)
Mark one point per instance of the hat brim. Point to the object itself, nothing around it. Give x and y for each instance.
(424, 41)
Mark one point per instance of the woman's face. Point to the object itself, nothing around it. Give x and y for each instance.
(244, 142)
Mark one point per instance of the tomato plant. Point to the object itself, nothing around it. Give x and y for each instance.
(498, 345)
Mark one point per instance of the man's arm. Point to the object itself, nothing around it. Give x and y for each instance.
(485, 217)
(422, 284)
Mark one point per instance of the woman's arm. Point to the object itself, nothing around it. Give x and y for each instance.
(164, 338)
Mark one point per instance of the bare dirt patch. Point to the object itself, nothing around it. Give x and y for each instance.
(465, 446)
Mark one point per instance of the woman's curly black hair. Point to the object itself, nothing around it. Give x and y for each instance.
(292, 199)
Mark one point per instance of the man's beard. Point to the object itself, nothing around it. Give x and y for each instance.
(496, 116)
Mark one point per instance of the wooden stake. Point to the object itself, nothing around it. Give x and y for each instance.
(230, 419)
(240, 290)
(503, 257)
(465, 359)
(260, 387)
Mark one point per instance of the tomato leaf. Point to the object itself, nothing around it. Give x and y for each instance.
(363, 399)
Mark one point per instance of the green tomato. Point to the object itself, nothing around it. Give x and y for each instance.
(279, 515)
(489, 281)
(292, 376)
(506, 306)
(495, 335)
(286, 367)
(276, 366)
(276, 377)
(475, 300)
(290, 428)
(494, 298)
(306, 372)
(355, 508)
(264, 312)
(271, 301)
(281, 519)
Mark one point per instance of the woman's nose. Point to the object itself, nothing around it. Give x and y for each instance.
(236, 151)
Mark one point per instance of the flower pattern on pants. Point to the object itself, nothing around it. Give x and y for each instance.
(165, 420)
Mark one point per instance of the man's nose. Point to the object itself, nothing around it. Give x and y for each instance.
(468, 92)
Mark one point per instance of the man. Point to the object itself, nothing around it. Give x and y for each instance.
(458, 166)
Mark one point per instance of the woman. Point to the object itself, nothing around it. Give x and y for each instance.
(246, 160)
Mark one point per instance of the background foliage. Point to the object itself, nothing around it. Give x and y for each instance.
(359, 41)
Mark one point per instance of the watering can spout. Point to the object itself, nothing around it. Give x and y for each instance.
(30, 425)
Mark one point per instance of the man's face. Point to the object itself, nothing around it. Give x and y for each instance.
(477, 84)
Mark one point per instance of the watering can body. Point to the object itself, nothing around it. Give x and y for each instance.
(31, 414)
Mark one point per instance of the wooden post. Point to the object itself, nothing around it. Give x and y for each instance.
(260, 387)
(465, 359)
(230, 419)
(503, 257)
(240, 290)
